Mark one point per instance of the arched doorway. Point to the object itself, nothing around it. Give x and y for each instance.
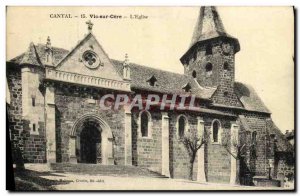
(91, 141)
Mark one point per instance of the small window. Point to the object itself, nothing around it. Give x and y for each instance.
(226, 66)
(144, 124)
(187, 87)
(208, 67)
(152, 81)
(181, 126)
(253, 138)
(33, 101)
(216, 127)
(194, 74)
(33, 127)
(225, 94)
(208, 49)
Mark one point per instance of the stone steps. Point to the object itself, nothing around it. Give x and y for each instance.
(107, 170)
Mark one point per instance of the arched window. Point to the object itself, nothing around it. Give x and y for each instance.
(208, 67)
(216, 131)
(194, 74)
(226, 66)
(253, 137)
(181, 126)
(144, 124)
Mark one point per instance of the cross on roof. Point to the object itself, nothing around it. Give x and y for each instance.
(90, 25)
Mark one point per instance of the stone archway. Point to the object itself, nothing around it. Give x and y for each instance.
(91, 141)
(88, 143)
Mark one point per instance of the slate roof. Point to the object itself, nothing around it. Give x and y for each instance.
(249, 98)
(167, 82)
(36, 55)
(213, 28)
(209, 25)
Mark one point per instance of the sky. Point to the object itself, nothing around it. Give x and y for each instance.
(266, 36)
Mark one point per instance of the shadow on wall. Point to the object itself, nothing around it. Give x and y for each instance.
(246, 175)
(58, 135)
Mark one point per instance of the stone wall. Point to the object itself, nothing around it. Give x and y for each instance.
(13, 76)
(147, 151)
(179, 158)
(222, 73)
(218, 159)
(257, 123)
(74, 102)
(31, 145)
(34, 145)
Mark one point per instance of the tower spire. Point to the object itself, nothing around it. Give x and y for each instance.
(209, 25)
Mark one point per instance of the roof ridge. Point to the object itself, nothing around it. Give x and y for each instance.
(60, 48)
(157, 69)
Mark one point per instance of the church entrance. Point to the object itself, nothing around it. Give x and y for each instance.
(90, 144)
(91, 141)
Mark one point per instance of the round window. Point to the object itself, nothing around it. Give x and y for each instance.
(90, 59)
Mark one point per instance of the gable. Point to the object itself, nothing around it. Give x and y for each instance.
(88, 58)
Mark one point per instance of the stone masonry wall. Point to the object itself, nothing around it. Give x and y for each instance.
(217, 157)
(71, 104)
(219, 76)
(34, 145)
(15, 110)
(179, 158)
(147, 151)
(257, 123)
(31, 146)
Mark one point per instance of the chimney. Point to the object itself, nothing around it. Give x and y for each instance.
(126, 68)
(49, 54)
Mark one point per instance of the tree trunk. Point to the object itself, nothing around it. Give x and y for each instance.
(191, 167)
(237, 179)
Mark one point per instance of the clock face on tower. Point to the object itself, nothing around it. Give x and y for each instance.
(91, 59)
(226, 48)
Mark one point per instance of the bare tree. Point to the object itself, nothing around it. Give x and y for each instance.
(235, 145)
(193, 141)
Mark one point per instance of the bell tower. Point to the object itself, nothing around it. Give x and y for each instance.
(210, 58)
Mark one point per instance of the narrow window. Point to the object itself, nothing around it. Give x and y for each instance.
(208, 49)
(181, 126)
(225, 94)
(208, 67)
(33, 101)
(226, 66)
(254, 137)
(216, 131)
(194, 74)
(33, 127)
(144, 124)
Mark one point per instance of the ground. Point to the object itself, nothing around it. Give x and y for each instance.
(38, 177)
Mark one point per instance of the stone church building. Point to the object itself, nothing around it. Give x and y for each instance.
(54, 114)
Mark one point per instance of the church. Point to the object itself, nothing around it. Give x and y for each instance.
(55, 116)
